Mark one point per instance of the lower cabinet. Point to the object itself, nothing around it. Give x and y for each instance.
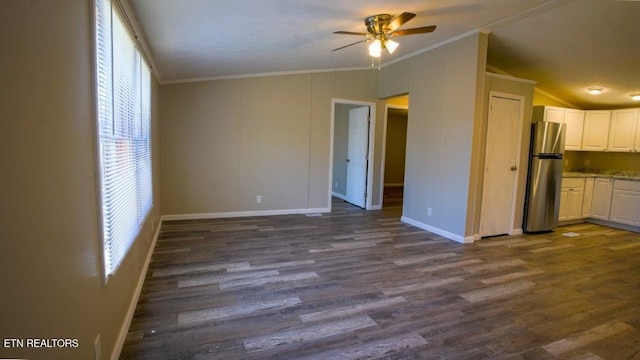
(571, 198)
(625, 202)
(601, 201)
(614, 201)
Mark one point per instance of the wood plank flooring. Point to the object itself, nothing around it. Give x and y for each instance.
(354, 284)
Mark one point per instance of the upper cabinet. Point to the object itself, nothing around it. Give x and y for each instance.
(574, 122)
(596, 130)
(572, 118)
(622, 133)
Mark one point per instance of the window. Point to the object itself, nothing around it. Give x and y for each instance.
(123, 82)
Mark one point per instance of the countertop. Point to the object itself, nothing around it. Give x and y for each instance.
(609, 174)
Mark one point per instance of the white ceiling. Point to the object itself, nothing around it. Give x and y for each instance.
(564, 45)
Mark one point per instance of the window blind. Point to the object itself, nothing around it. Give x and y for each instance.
(124, 131)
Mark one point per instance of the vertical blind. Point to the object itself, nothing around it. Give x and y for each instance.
(124, 127)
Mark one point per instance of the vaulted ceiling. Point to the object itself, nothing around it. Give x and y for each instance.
(564, 45)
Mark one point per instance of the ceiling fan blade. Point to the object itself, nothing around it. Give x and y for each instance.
(351, 33)
(399, 20)
(342, 47)
(420, 30)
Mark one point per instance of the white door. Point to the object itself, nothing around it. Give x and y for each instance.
(357, 148)
(501, 160)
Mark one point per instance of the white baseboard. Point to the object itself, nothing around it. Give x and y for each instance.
(516, 232)
(124, 330)
(375, 207)
(435, 230)
(233, 214)
(339, 196)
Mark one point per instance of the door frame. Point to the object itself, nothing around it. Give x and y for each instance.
(384, 145)
(514, 195)
(370, 150)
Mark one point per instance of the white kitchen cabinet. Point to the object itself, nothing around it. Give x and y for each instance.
(574, 123)
(596, 130)
(601, 201)
(622, 131)
(636, 147)
(625, 202)
(588, 197)
(571, 198)
(548, 113)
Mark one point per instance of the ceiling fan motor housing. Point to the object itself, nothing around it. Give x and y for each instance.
(378, 24)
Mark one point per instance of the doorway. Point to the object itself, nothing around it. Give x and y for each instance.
(394, 155)
(504, 129)
(352, 126)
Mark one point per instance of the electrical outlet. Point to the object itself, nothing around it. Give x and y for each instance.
(587, 162)
(429, 211)
(97, 348)
(259, 199)
(336, 185)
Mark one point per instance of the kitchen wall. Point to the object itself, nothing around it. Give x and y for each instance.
(575, 160)
(50, 271)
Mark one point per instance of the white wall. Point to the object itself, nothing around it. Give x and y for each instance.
(50, 268)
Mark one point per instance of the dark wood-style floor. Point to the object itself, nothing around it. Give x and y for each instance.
(357, 284)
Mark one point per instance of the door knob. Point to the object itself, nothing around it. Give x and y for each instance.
(347, 160)
(514, 168)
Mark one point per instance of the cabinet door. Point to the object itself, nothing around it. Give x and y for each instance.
(596, 130)
(588, 196)
(601, 202)
(625, 207)
(576, 196)
(636, 148)
(563, 212)
(554, 114)
(574, 122)
(622, 130)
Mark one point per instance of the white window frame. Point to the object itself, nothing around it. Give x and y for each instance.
(123, 130)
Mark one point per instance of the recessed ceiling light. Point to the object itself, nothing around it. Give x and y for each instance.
(635, 97)
(595, 90)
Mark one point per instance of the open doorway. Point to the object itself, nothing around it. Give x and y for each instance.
(352, 126)
(394, 155)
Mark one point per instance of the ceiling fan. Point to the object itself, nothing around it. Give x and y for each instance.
(381, 28)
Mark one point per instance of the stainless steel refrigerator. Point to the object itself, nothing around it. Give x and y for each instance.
(545, 177)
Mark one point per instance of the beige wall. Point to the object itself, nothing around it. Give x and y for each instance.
(50, 267)
(226, 142)
(395, 147)
(444, 85)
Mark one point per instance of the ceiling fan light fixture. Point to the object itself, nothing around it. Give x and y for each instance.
(635, 97)
(595, 90)
(375, 49)
(391, 46)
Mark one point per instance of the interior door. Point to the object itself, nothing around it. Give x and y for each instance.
(503, 134)
(357, 149)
